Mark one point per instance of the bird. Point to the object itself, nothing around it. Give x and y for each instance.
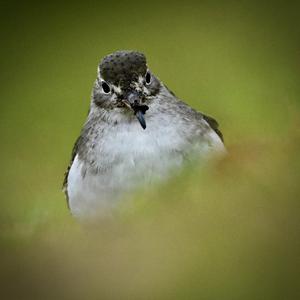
(137, 133)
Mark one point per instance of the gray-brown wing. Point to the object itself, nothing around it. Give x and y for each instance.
(74, 152)
(214, 125)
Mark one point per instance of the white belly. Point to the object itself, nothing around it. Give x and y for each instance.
(129, 158)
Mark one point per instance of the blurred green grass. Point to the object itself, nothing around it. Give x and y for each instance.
(230, 231)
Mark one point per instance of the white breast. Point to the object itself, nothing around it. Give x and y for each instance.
(127, 157)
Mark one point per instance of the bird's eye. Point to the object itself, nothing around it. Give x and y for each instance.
(148, 77)
(105, 87)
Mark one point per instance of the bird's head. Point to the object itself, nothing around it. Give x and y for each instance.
(125, 84)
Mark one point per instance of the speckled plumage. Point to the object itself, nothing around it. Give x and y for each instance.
(114, 155)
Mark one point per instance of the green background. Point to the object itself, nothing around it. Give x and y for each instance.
(230, 231)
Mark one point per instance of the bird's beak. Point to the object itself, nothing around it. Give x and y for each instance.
(133, 102)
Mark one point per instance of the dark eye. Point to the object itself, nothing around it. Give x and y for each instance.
(148, 77)
(105, 87)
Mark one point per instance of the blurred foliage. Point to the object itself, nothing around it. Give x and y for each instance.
(230, 231)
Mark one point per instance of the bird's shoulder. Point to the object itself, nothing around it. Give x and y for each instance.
(212, 122)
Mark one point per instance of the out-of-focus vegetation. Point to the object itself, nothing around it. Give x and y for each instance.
(230, 231)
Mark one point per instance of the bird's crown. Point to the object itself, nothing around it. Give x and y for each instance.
(122, 67)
